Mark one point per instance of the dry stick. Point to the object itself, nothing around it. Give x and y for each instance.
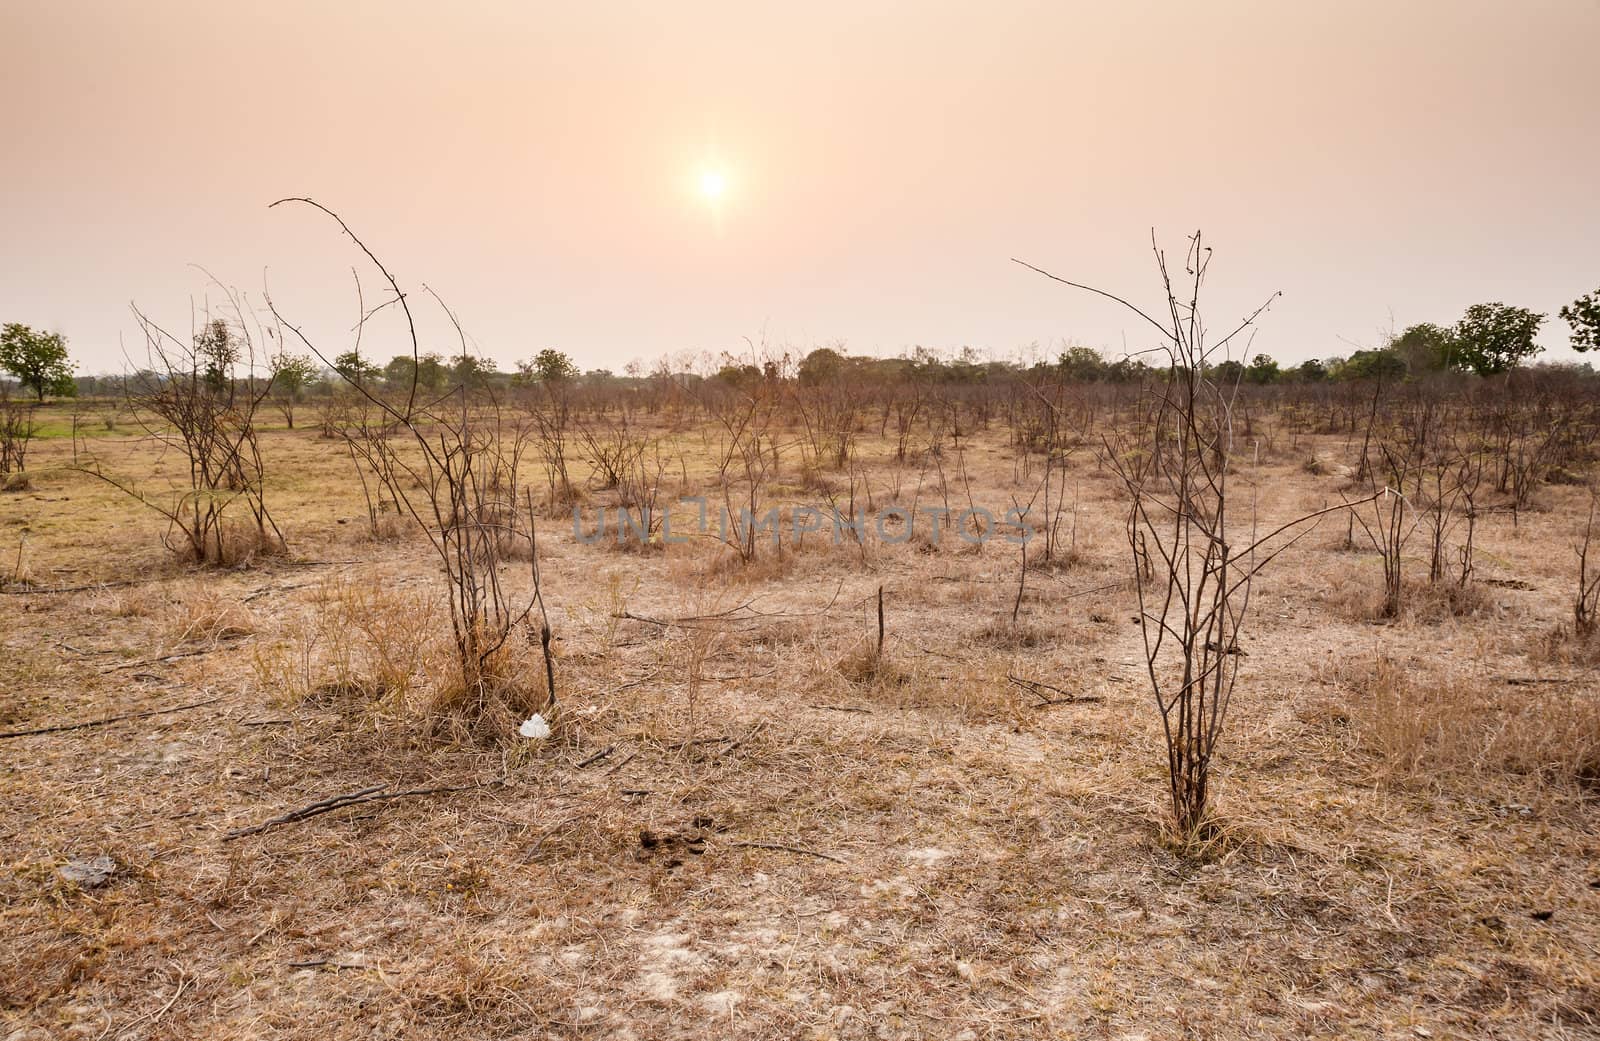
(157, 661)
(374, 794)
(1067, 697)
(880, 623)
(596, 757)
(788, 849)
(1022, 581)
(748, 735)
(109, 719)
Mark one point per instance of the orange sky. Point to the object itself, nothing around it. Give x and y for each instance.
(537, 165)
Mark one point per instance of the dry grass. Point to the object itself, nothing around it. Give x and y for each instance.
(754, 825)
(1443, 725)
(205, 618)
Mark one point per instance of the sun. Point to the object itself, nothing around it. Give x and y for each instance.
(712, 184)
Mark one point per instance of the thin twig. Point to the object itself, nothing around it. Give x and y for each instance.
(1035, 687)
(63, 728)
(375, 793)
(789, 849)
(596, 757)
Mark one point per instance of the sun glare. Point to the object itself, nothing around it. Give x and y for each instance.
(713, 184)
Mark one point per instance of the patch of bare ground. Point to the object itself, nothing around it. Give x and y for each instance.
(750, 821)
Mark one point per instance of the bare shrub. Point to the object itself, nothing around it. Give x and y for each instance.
(549, 405)
(1586, 602)
(450, 463)
(1192, 608)
(17, 428)
(745, 452)
(190, 400)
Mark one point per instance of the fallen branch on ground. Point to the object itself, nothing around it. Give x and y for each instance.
(596, 757)
(374, 794)
(788, 849)
(109, 719)
(1038, 687)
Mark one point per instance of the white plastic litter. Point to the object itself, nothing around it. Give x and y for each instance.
(534, 727)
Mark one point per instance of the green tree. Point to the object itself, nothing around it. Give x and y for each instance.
(1081, 364)
(1583, 314)
(1227, 373)
(1372, 365)
(292, 374)
(38, 360)
(399, 371)
(1495, 338)
(216, 350)
(548, 366)
(1263, 370)
(737, 375)
(1425, 347)
(353, 367)
(1311, 371)
(469, 371)
(821, 365)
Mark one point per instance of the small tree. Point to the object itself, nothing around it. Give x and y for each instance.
(292, 374)
(38, 360)
(1081, 365)
(16, 430)
(1495, 338)
(450, 463)
(1583, 314)
(1262, 370)
(354, 369)
(548, 366)
(1312, 370)
(188, 401)
(1193, 563)
(1425, 347)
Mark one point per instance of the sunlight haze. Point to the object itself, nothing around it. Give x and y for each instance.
(623, 181)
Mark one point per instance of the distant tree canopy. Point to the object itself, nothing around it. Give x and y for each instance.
(821, 365)
(1425, 347)
(1372, 365)
(38, 360)
(1583, 315)
(292, 374)
(548, 366)
(1227, 373)
(353, 367)
(739, 375)
(217, 351)
(1083, 364)
(428, 371)
(1495, 338)
(1312, 370)
(468, 370)
(1262, 370)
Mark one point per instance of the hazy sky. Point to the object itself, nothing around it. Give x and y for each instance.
(540, 165)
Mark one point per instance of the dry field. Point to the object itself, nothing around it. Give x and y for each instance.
(747, 825)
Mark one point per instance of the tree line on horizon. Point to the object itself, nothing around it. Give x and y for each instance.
(1489, 340)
